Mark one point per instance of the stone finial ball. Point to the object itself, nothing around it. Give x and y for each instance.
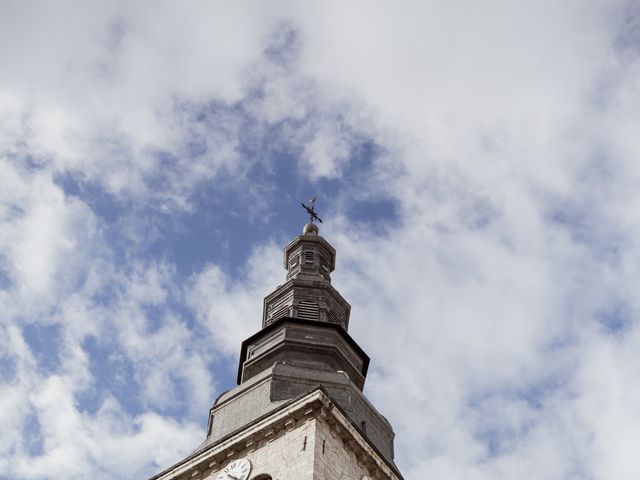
(311, 229)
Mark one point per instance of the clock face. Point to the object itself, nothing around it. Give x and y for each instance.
(236, 470)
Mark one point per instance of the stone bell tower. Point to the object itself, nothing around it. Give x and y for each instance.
(298, 411)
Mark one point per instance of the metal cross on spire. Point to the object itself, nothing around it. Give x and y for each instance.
(311, 210)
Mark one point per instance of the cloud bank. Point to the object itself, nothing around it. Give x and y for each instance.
(477, 170)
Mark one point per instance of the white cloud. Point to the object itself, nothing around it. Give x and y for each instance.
(231, 310)
(74, 444)
(61, 273)
(50, 432)
(507, 142)
(95, 87)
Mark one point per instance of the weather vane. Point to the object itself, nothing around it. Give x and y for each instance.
(311, 210)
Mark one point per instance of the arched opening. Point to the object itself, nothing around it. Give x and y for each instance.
(262, 476)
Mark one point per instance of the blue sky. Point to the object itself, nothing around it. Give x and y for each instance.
(476, 167)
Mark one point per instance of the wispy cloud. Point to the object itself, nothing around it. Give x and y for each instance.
(477, 171)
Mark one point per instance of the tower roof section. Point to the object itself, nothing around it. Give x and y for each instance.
(282, 338)
(310, 242)
(307, 292)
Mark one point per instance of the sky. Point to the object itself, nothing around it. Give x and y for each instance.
(477, 166)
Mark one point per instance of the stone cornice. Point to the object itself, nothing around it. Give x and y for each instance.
(314, 404)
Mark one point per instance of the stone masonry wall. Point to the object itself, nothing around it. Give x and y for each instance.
(287, 456)
(308, 440)
(332, 460)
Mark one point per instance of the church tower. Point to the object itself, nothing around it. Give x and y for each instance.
(298, 411)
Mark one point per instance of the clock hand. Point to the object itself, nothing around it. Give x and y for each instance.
(234, 478)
